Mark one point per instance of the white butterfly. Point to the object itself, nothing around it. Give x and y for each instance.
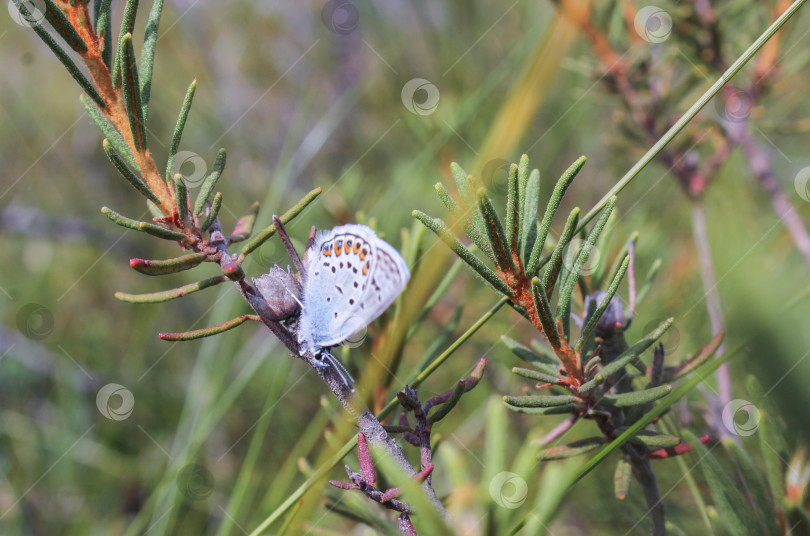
(350, 277)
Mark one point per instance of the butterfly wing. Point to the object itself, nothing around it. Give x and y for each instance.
(352, 276)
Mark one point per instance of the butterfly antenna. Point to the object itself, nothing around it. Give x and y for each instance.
(288, 245)
(347, 378)
(291, 293)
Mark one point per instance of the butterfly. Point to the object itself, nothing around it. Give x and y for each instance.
(349, 277)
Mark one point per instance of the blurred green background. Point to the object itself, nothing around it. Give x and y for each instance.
(300, 100)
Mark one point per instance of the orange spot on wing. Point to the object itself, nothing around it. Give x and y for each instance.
(356, 247)
(365, 269)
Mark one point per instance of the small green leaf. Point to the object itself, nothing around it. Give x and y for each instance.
(466, 219)
(554, 263)
(170, 266)
(125, 171)
(178, 133)
(512, 209)
(63, 27)
(109, 131)
(626, 357)
(636, 398)
(166, 295)
(622, 478)
(536, 375)
(466, 188)
(149, 228)
(544, 312)
(567, 288)
(207, 332)
(216, 204)
(265, 234)
(540, 401)
(530, 224)
(600, 309)
(132, 91)
(577, 448)
(651, 438)
(245, 224)
(522, 181)
(127, 27)
(543, 358)
(104, 15)
(211, 180)
(443, 232)
(552, 410)
(495, 231)
(148, 53)
(181, 196)
(551, 209)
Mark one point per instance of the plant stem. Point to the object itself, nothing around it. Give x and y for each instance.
(713, 304)
(693, 110)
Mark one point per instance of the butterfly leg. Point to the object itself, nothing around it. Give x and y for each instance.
(288, 245)
(327, 360)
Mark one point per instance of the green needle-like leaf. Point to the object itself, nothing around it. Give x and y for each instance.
(540, 401)
(577, 448)
(148, 53)
(166, 295)
(104, 16)
(466, 219)
(526, 354)
(495, 231)
(61, 55)
(211, 180)
(626, 357)
(130, 176)
(522, 181)
(109, 131)
(149, 228)
(127, 27)
(567, 288)
(465, 185)
(651, 438)
(181, 196)
(213, 212)
(622, 478)
(245, 224)
(443, 232)
(132, 91)
(552, 410)
(535, 375)
(207, 332)
(544, 312)
(555, 261)
(513, 209)
(178, 133)
(265, 234)
(636, 398)
(170, 266)
(551, 209)
(530, 224)
(63, 27)
(600, 309)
